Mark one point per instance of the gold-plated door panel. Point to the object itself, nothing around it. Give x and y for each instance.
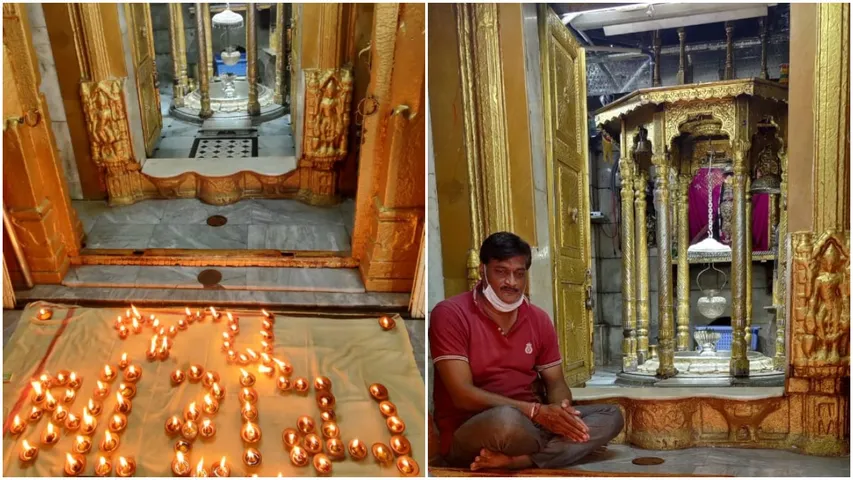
(564, 88)
(141, 34)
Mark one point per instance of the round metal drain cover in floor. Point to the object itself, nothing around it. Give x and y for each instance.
(210, 277)
(647, 461)
(216, 220)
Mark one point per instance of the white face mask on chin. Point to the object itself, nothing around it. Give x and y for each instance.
(499, 304)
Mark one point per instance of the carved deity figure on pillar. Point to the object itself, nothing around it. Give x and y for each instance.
(104, 107)
(328, 96)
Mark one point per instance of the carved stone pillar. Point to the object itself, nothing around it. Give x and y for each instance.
(179, 52)
(281, 53)
(682, 338)
(208, 38)
(780, 284)
(629, 314)
(663, 209)
(730, 63)
(739, 366)
(680, 77)
(205, 67)
(254, 107)
(657, 47)
(641, 180)
(35, 193)
(747, 331)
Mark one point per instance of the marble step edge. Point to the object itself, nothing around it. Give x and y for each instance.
(361, 302)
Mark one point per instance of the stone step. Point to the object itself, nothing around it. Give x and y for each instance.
(333, 280)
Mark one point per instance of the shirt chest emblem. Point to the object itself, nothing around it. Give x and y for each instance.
(529, 348)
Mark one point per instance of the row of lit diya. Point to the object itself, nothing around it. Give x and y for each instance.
(43, 401)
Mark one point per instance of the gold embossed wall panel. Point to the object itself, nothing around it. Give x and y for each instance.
(139, 24)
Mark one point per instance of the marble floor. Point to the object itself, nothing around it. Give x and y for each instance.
(252, 224)
(275, 138)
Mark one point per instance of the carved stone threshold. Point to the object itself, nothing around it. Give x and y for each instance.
(208, 258)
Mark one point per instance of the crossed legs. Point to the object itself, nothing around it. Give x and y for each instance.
(502, 437)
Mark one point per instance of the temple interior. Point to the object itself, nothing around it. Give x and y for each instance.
(644, 152)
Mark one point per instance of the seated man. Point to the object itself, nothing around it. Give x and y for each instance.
(490, 346)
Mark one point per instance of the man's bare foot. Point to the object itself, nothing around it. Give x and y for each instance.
(490, 459)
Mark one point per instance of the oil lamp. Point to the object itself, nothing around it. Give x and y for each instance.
(60, 414)
(172, 331)
(123, 405)
(268, 371)
(226, 345)
(210, 378)
(207, 429)
(328, 415)
(198, 316)
(248, 394)
(124, 361)
(163, 353)
(192, 412)
(249, 412)
(200, 471)
(195, 373)
(17, 426)
(322, 384)
(50, 402)
(378, 392)
(267, 315)
(127, 390)
(395, 425)
(250, 433)
(242, 359)
(118, 422)
(189, 430)
(285, 368)
(110, 442)
(38, 393)
(231, 318)
(220, 469)
(336, 449)
(72, 422)
(217, 391)
(183, 446)
(283, 383)
(266, 346)
(126, 467)
(177, 377)
(233, 329)
(322, 464)
(188, 316)
(381, 453)
(136, 313)
(151, 353)
(62, 378)
(266, 325)
(266, 360)
(104, 468)
(210, 406)
(136, 326)
(357, 449)
(101, 390)
(325, 401)
(301, 385)
(253, 355)
(214, 314)
(407, 466)
(155, 323)
(44, 314)
(182, 324)
(46, 380)
(74, 464)
(132, 374)
(387, 409)
(267, 335)
(227, 337)
(330, 430)
(400, 445)
(50, 435)
(90, 423)
(305, 424)
(312, 443)
(246, 378)
(35, 414)
(119, 322)
(298, 456)
(173, 425)
(74, 381)
(94, 407)
(252, 457)
(387, 323)
(28, 452)
(123, 332)
(290, 438)
(82, 444)
(69, 397)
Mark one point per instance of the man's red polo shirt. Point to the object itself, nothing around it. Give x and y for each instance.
(506, 363)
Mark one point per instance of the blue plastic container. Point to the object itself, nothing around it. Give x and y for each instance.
(239, 69)
(725, 342)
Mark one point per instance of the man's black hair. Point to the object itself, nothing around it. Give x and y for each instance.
(503, 246)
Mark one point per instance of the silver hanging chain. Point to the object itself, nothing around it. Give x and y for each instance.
(710, 192)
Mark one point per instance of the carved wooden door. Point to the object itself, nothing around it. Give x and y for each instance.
(147, 88)
(564, 88)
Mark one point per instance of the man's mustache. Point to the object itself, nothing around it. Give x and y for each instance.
(510, 290)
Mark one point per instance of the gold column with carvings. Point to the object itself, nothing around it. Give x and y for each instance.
(280, 52)
(747, 331)
(666, 323)
(641, 180)
(254, 107)
(682, 336)
(739, 365)
(179, 52)
(680, 76)
(35, 194)
(779, 285)
(205, 66)
(208, 38)
(730, 63)
(629, 314)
